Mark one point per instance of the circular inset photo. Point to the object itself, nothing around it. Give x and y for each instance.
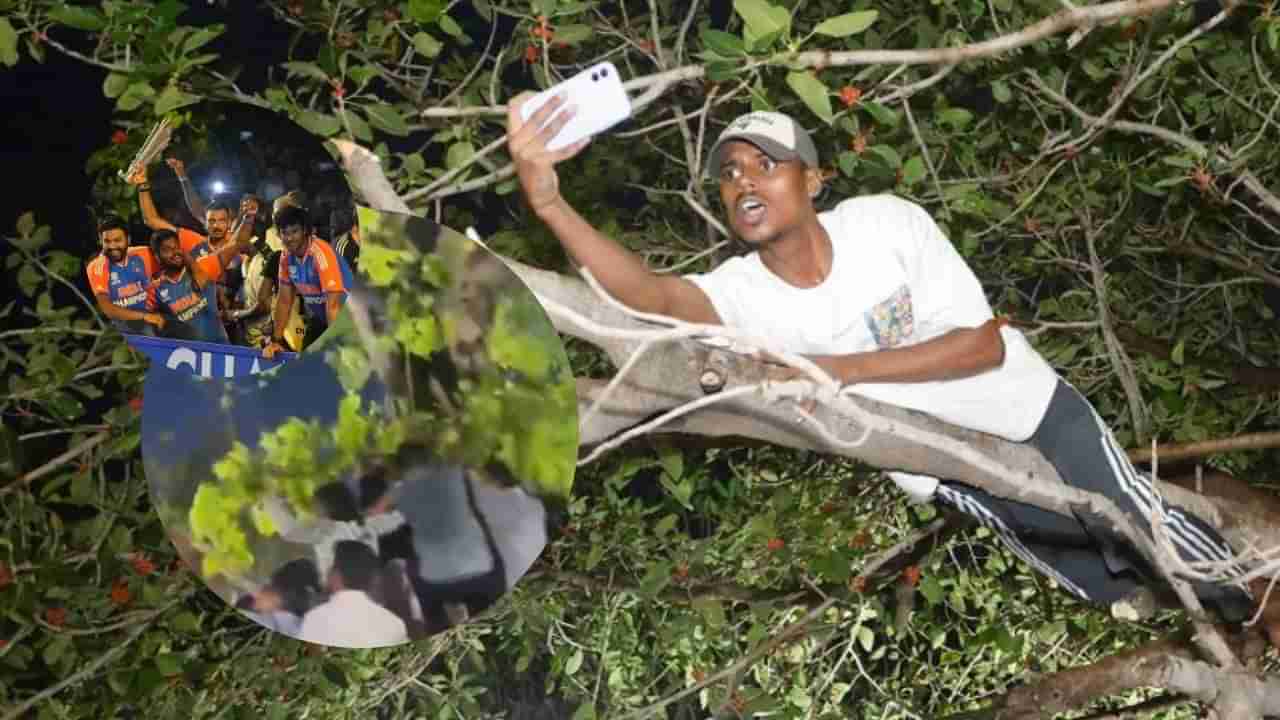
(398, 477)
(227, 242)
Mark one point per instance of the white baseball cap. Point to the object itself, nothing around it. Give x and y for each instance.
(778, 135)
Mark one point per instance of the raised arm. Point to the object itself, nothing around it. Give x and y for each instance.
(194, 203)
(240, 234)
(619, 270)
(150, 215)
(956, 354)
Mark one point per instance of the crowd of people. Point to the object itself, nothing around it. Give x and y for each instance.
(247, 277)
(396, 560)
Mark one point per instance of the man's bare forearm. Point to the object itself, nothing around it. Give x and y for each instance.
(194, 203)
(619, 271)
(958, 354)
(150, 215)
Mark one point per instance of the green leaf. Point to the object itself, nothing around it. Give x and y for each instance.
(426, 11)
(866, 638)
(118, 681)
(321, 124)
(451, 27)
(459, 154)
(761, 17)
(572, 34)
(386, 118)
(306, 69)
(931, 590)
(957, 118)
(574, 663)
(1179, 161)
(723, 43)
(202, 37)
(913, 171)
(78, 17)
(8, 43)
(359, 128)
(1000, 89)
(1178, 352)
(134, 95)
(665, 525)
(880, 113)
(114, 85)
(26, 223)
(887, 154)
(427, 45)
(848, 162)
(172, 98)
(585, 711)
(813, 92)
(847, 24)
(169, 664)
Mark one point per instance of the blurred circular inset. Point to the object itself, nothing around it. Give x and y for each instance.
(399, 476)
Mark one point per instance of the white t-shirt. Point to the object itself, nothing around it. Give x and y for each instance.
(895, 281)
(351, 619)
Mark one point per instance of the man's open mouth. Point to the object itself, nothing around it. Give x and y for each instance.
(751, 209)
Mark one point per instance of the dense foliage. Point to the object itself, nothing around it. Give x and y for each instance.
(680, 565)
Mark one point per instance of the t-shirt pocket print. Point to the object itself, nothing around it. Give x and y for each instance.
(891, 321)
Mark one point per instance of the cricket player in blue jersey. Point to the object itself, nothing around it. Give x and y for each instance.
(119, 277)
(310, 269)
(185, 288)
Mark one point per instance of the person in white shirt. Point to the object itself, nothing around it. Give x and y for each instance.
(876, 295)
(350, 618)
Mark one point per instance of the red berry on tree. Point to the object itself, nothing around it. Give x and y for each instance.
(6, 576)
(390, 15)
(850, 95)
(119, 137)
(776, 544)
(135, 403)
(56, 617)
(911, 575)
(858, 584)
(531, 54)
(120, 595)
(3, 643)
(339, 92)
(142, 565)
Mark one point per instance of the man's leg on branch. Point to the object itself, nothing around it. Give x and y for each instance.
(1082, 449)
(1057, 547)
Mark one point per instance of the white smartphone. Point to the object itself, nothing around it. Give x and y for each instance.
(599, 97)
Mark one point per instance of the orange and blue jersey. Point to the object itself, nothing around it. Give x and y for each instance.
(192, 312)
(124, 284)
(194, 244)
(317, 272)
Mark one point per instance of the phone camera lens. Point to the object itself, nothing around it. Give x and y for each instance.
(595, 77)
(604, 72)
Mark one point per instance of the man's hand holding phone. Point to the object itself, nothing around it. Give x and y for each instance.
(527, 142)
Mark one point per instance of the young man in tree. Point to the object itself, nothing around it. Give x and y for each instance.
(309, 268)
(875, 294)
(119, 277)
(185, 286)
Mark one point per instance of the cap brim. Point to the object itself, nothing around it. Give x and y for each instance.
(767, 145)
